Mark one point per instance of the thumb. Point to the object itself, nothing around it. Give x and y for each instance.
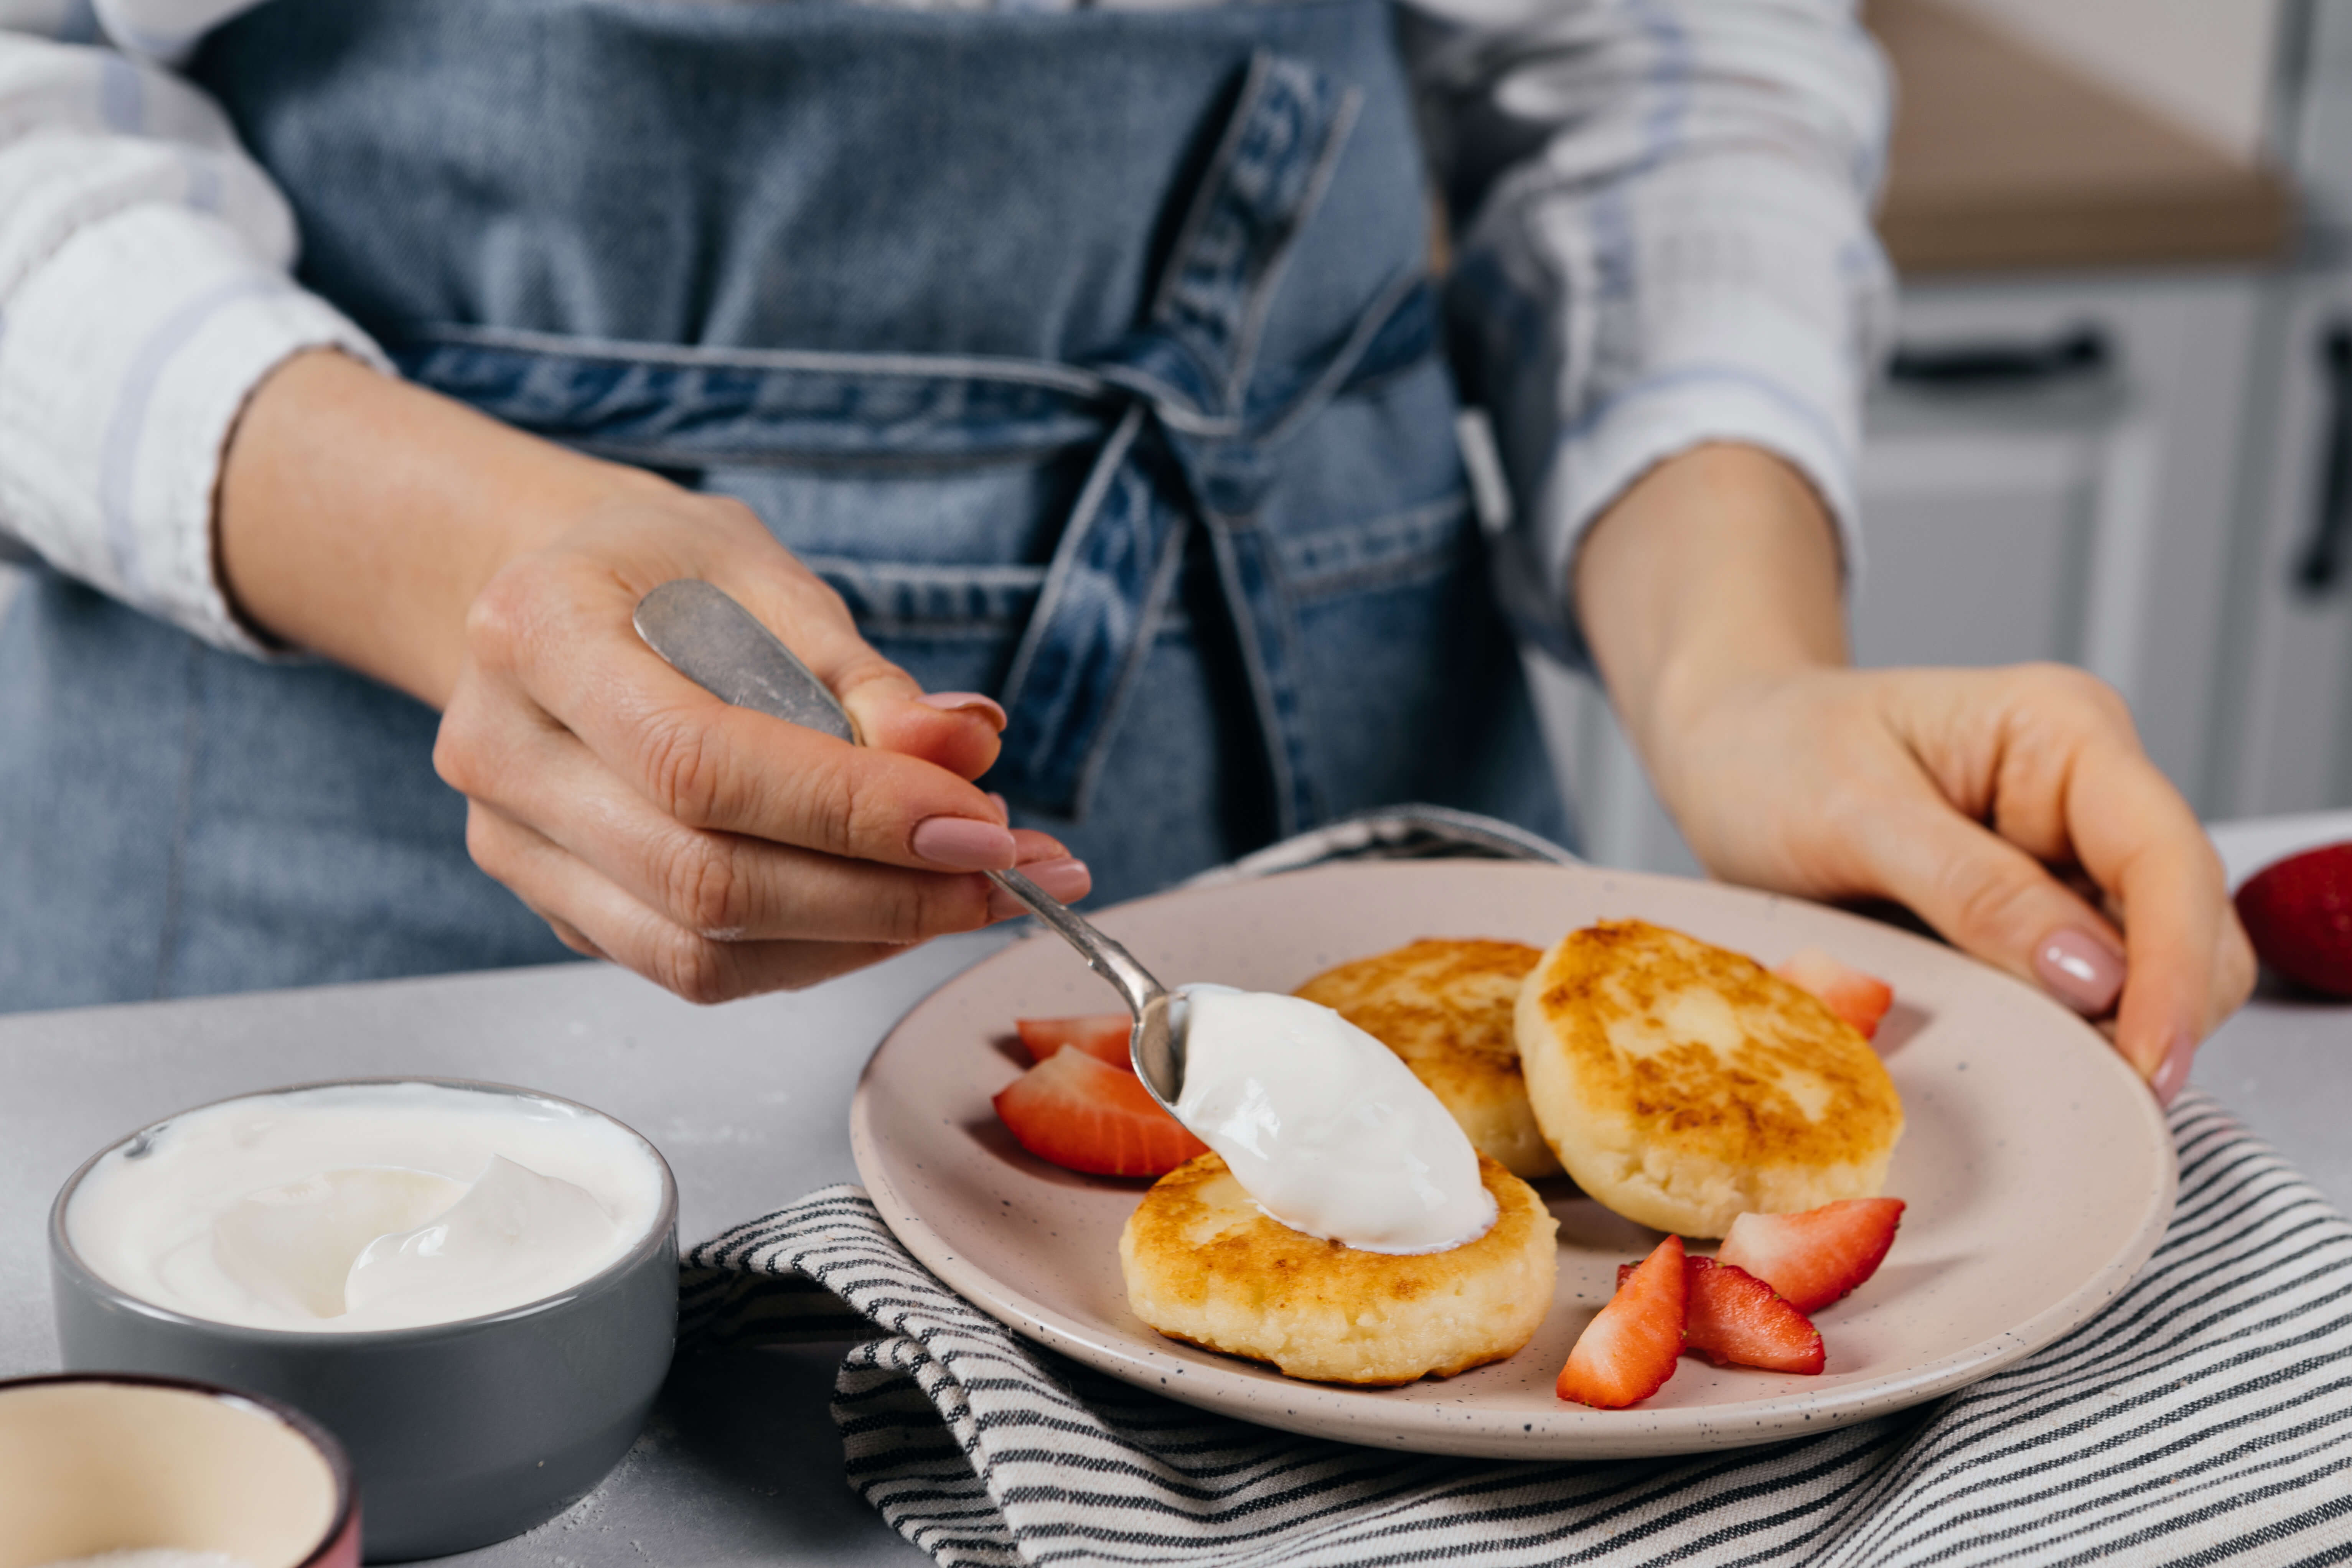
(1992, 900)
(954, 730)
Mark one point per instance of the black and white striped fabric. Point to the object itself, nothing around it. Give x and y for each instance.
(2205, 1418)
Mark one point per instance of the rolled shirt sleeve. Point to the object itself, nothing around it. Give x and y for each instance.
(144, 294)
(1661, 214)
(1662, 235)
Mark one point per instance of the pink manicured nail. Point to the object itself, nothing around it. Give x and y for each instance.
(986, 707)
(2172, 1074)
(2080, 970)
(1064, 879)
(962, 843)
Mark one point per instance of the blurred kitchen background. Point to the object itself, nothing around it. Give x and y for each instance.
(2117, 430)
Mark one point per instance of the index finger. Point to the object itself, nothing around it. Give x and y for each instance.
(2137, 839)
(957, 730)
(711, 765)
(627, 552)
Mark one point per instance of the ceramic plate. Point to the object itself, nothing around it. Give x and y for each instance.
(2038, 1170)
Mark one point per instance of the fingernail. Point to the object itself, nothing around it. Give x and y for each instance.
(1065, 879)
(962, 843)
(2172, 1073)
(986, 707)
(1003, 804)
(2080, 970)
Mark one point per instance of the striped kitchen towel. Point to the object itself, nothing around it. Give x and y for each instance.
(2204, 1417)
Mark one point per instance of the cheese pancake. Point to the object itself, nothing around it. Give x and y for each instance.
(1682, 1084)
(1205, 1265)
(1449, 1007)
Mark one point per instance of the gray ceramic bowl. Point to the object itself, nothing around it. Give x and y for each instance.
(461, 1433)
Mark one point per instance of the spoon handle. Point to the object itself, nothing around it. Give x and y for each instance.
(1103, 956)
(720, 646)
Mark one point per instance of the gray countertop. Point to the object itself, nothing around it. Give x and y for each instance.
(740, 1463)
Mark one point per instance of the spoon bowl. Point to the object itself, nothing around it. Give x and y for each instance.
(1155, 1045)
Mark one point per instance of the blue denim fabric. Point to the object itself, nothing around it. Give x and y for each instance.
(1089, 356)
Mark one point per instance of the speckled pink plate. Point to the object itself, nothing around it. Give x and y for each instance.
(2038, 1170)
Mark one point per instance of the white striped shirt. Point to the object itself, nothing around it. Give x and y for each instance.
(1681, 185)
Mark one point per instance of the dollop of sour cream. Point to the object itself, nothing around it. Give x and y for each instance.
(1326, 1127)
(365, 1206)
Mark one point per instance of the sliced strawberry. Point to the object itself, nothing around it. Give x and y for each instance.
(1860, 999)
(1737, 1319)
(1099, 1035)
(1628, 1351)
(1734, 1319)
(1816, 1257)
(1083, 1115)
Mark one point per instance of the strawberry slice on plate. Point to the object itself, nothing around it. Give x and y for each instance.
(1085, 1115)
(1100, 1035)
(1860, 999)
(1733, 1319)
(1737, 1319)
(1814, 1258)
(1627, 1352)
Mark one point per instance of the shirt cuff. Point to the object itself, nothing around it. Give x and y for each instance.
(1761, 382)
(125, 360)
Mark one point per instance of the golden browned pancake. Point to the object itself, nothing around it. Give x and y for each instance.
(1205, 1265)
(1448, 1007)
(1682, 1084)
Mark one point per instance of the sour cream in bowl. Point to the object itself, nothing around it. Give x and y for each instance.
(474, 1287)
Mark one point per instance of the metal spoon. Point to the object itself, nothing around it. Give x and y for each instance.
(717, 644)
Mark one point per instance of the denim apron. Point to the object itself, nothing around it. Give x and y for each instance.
(1090, 357)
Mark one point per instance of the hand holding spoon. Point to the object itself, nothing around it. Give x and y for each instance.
(720, 646)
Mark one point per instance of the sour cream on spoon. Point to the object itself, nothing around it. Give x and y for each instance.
(1324, 1126)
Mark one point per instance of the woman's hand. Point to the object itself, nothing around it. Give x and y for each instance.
(714, 849)
(2011, 808)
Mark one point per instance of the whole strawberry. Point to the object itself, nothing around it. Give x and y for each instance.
(2299, 913)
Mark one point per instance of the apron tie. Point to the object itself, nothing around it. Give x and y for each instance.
(1191, 426)
(1185, 448)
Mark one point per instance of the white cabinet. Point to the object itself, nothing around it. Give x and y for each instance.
(2050, 472)
(2283, 742)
